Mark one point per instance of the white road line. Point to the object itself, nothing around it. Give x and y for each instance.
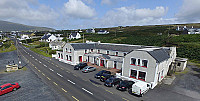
(87, 91)
(32, 57)
(40, 62)
(71, 82)
(36, 59)
(51, 69)
(45, 65)
(59, 75)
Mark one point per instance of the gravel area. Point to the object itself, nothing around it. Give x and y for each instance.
(32, 87)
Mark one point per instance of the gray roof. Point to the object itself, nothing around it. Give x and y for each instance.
(74, 34)
(57, 43)
(77, 46)
(159, 54)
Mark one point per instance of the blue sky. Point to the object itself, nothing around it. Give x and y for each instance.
(78, 14)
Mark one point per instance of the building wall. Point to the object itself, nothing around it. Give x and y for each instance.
(151, 66)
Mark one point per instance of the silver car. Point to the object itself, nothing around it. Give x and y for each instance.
(88, 69)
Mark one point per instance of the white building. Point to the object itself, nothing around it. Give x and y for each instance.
(74, 35)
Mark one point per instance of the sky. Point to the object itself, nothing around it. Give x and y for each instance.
(81, 14)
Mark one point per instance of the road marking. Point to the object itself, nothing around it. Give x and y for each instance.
(84, 79)
(43, 74)
(75, 98)
(56, 65)
(51, 69)
(48, 78)
(45, 65)
(52, 63)
(55, 83)
(74, 75)
(28, 53)
(95, 85)
(71, 82)
(59, 75)
(40, 62)
(125, 99)
(36, 59)
(109, 91)
(64, 90)
(87, 91)
(32, 57)
(62, 68)
(67, 71)
(39, 70)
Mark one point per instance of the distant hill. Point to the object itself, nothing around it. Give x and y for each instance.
(9, 26)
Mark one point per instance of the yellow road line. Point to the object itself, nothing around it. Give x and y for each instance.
(35, 67)
(95, 85)
(109, 91)
(48, 78)
(43, 74)
(62, 68)
(125, 99)
(67, 71)
(74, 75)
(55, 83)
(64, 90)
(56, 65)
(39, 70)
(75, 98)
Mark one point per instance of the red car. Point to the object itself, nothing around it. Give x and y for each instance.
(8, 88)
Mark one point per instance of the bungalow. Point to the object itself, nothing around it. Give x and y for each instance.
(102, 32)
(57, 45)
(143, 63)
(1, 44)
(90, 30)
(49, 38)
(74, 35)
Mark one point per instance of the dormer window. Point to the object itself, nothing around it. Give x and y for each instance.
(86, 51)
(91, 50)
(116, 53)
(107, 52)
(98, 51)
(124, 54)
(70, 50)
(66, 49)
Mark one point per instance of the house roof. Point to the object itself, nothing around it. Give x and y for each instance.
(74, 34)
(159, 54)
(45, 36)
(57, 43)
(1, 43)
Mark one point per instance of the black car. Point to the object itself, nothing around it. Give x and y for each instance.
(124, 85)
(112, 81)
(98, 75)
(105, 76)
(80, 66)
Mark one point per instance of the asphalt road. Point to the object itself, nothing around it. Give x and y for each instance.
(71, 86)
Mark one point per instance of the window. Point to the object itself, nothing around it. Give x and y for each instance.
(70, 50)
(133, 61)
(66, 49)
(58, 55)
(124, 54)
(70, 58)
(179, 64)
(107, 52)
(66, 57)
(133, 74)
(138, 62)
(162, 73)
(116, 53)
(61, 56)
(142, 76)
(144, 63)
(86, 51)
(91, 50)
(98, 51)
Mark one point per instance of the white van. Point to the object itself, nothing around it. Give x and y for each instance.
(140, 88)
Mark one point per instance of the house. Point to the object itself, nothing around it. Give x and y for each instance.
(138, 63)
(90, 30)
(50, 37)
(45, 37)
(102, 32)
(26, 35)
(74, 35)
(57, 45)
(1, 44)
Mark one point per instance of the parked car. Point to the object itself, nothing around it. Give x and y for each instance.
(112, 81)
(105, 76)
(139, 88)
(88, 69)
(80, 66)
(98, 75)
(8, 88)
(124, 85)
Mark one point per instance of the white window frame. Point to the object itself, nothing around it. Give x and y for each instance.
(142, 71)
(135, 61)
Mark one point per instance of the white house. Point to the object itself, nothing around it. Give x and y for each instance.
(57, 45)
(52, 38)
(102, 32)
(90, 30)
(74, 35)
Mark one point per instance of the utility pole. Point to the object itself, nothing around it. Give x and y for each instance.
(83, 37)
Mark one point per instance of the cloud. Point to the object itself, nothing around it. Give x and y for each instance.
(107, 2)
(189, 11)
(20, 11)
(89, 1)
(77, 9)
(133, 16)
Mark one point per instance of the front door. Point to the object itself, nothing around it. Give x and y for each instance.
(115, 64)
(80, 59)
(102, 63)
